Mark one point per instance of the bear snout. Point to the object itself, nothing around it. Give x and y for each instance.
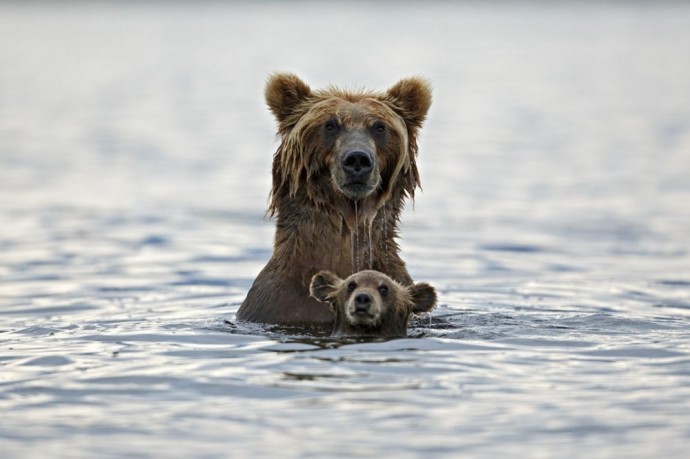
(363, 309)
(358, 165)
(363, 303)
(357, 173)
(355, 170)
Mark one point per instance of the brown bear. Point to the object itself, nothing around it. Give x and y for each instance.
(369, 303)
(345, 165)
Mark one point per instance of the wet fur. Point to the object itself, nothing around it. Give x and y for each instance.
(317, 224)
(393, 310)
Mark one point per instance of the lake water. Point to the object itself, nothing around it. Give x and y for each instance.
(135, 152)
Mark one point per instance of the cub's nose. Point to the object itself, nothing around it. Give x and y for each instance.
(357, 163)
(362, 302)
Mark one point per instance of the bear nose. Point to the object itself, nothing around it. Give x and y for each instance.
(358, 163)
(362, 302)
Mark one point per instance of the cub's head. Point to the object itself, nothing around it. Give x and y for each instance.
(338, 144)
(369, 303)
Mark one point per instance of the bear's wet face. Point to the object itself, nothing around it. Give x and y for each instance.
(359, 143)
(369, 303)
(365, 301)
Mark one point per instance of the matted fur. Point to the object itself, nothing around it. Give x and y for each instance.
(295, 163)
(318, 226)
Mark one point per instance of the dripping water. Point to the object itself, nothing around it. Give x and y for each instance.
(384, 235)
(369, 240)
(354, 244)
(370, 223)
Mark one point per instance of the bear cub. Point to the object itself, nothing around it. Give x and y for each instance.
(369, 303)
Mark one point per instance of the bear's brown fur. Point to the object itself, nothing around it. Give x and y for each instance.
(369, 303)
(345, 164)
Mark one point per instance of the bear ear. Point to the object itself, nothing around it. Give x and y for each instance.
(411, 98)
(284, 92)
(423, 297)
(323, 285)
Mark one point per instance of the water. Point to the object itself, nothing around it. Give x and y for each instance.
(135, 155)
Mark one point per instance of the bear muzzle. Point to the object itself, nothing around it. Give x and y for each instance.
(363, 310)
(355, 170)
(358, 173)
(358, 165)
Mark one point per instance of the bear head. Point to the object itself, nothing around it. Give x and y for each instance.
(369, 303)
(358, 144)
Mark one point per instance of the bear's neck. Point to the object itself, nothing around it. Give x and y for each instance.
(343, 238)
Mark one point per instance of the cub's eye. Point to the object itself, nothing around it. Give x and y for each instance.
(331, 126)
(379, 127)
(383, 290)
(351, 286)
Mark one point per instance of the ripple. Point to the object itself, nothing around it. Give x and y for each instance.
(48, 361)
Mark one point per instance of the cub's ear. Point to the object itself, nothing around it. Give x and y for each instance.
(284, 92)
(323, 285)
(411, 98)
(423, 297)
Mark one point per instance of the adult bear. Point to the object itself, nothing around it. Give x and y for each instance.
(344, 167)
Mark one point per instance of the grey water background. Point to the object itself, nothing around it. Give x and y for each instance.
(135, 152)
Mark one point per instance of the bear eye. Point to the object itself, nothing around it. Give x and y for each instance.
(351, 286)
(383, 290)
(379, 127)
(331, 126)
